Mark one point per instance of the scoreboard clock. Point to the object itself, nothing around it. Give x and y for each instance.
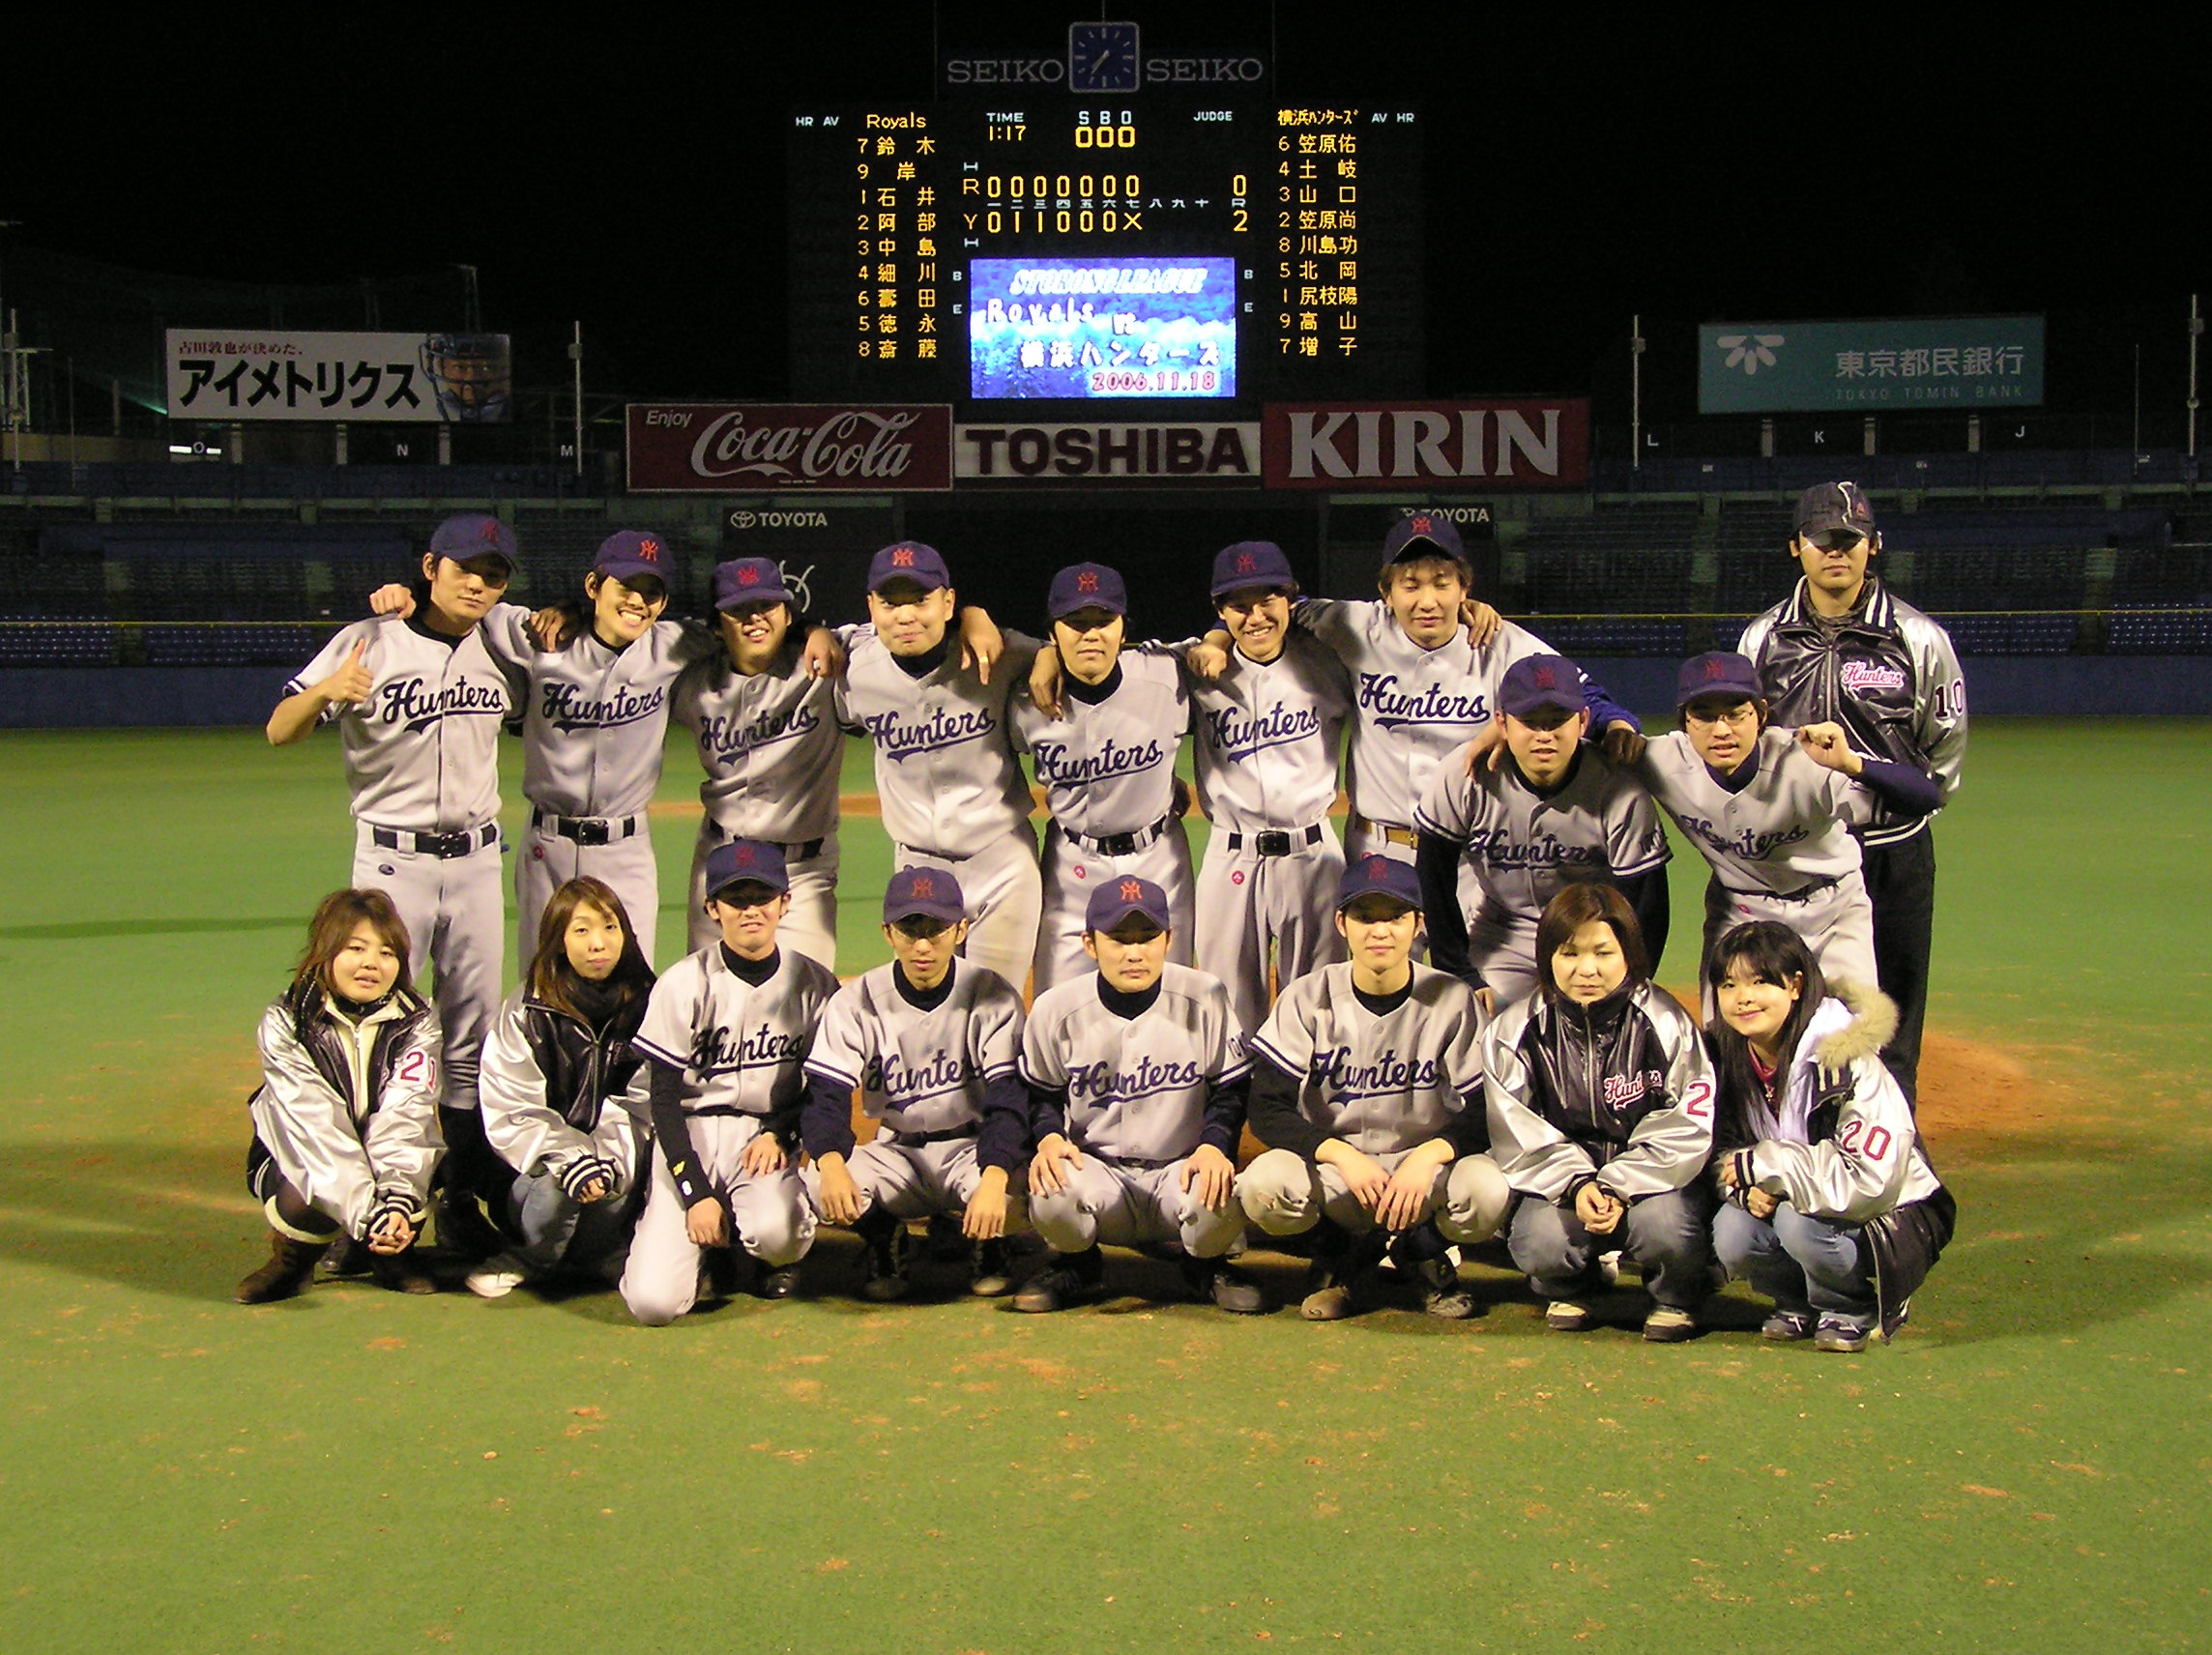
(1103, 57)
(1067, 248)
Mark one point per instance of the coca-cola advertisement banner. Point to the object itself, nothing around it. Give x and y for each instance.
(761, 447)
(1522, 442)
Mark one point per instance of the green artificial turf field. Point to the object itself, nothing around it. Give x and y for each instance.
(2027, 1470)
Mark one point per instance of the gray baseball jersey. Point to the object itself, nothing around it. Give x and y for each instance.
(919, 1071)
(594, 718)
(1523, 846)
(1137, 1086)
(769, 745)
(1788, 830)
(946, 771)
(1381, 1084)
(423, 751)
(740, 1047)
(1108, 767)
(1269, 735)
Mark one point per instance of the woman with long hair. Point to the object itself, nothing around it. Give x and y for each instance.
(555, 1069)
(1601, 1117)
(345, 1119)
(1832, 1209)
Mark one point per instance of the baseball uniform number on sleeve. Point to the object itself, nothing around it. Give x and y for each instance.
(1698, 1101)
(416, 1069)
(1859, 1139)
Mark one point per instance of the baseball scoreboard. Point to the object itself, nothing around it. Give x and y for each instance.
(1066, 252)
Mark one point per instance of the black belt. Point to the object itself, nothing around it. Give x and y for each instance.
(1141, 1163)
(1804, 892)
(1392, 835)
(794, 851)
(1118, 844)
(972, 1130)
(728, 1108)
(443, 845)
(588, 829)
(1277, 841)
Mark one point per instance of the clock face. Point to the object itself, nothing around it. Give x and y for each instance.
(1102, 57)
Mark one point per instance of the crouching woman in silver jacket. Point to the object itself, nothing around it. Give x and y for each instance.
(1832, 1209)
(345, 1121)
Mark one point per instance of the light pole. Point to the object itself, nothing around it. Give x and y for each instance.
(2195, 333)
(1636, 344)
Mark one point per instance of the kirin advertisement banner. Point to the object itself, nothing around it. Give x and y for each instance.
(734, 447)
(236, 374)
(1910, 365)
(1518, 442)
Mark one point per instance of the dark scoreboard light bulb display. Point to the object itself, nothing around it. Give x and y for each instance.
(1065, 253)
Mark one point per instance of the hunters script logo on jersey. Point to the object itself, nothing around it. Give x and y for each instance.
(1743, 842)
(1388, 1076)
(898, 739)
(1860, 676)
(565, 707)
(1148, 1077)
(1496, 848)
(903, 1084)
(726, 736)
(1057, 762)
(404, 701)
(1431, 704)
(1623, 1090)
(717, 1050)
(1239, 735)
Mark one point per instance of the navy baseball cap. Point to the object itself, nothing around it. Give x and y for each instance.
(1535, 682)
(1378, 876)
(907, 560)
(1087, 586)
(472, 534)
(743, 860)
(1252, 563)
(1716, 676)
(932, 893)
(1121, 896)
(633, 552)
(1831, 506)
(749, 580)
(1423, 534)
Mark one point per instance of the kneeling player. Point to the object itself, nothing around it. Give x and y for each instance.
(345, 1121)
(1601, 1114)
(1136, 1076)
(933, 1043)
(1367, 1088)
(555, 1065)
(725, 1035)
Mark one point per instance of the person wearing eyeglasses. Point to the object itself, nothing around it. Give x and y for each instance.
(1772, 810)
(1843, 650)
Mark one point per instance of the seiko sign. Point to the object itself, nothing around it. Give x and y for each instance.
(789, 449)
(1525, 444)
(1195, 70)
(1219, 453)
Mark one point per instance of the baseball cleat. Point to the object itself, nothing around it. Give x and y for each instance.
(1836, 1334)
(1073, 1278)
(1227, 1287)
(1565, 1315)
(1668, 1324)
(778, 1283)
(498, 1276)
(883, 1271)
(990, 1269)
(1785, 1326)
(1442, 1293)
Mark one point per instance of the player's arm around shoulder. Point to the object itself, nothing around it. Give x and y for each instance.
(1942, 711)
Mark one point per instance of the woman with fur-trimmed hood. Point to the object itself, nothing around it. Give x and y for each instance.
(1831, 1208)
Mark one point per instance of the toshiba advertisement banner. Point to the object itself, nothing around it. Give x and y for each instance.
(1532, 443)
(758, 448)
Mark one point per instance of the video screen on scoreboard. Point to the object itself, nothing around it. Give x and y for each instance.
(1099, 327)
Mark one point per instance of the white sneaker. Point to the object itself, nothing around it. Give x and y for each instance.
(498, 1276)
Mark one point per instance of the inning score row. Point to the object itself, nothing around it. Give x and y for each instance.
(1080, 250)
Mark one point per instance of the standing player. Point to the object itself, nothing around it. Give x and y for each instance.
(1772, 812)
(1269, 728)
(1555, 810)
(1842, 650)
(1106, 761)
(1423, 686)
(932, 1043)
(725, 1038)
(1136, 1078)
(766, 724)
(1367, 1091)
(951, 791)
(418, 702)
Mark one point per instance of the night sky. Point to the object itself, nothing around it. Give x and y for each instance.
(1582, 168)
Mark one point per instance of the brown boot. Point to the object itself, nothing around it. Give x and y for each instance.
(402, 1272)
(291, 1263)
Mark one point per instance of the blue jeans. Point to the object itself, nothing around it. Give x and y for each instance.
(559, 1233)
(1666, 1235)
(1806, 1265)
